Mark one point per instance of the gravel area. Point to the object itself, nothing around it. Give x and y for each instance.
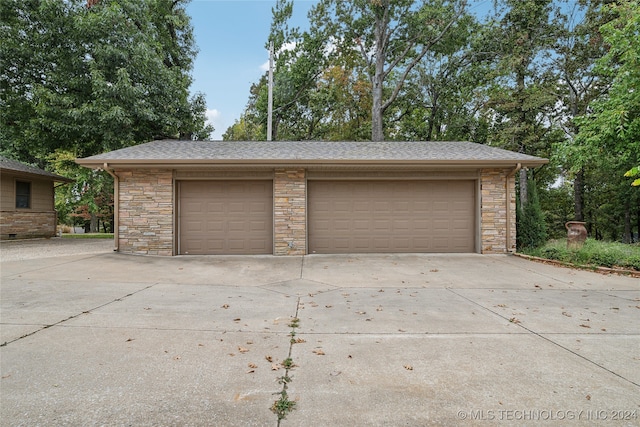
(17, 250)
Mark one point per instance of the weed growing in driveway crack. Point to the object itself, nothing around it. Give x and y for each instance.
(287, 363)
(283, 406)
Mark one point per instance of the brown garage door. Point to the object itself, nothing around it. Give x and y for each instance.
(391, 216)
(225, 217)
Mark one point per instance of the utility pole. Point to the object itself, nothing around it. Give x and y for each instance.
(270, 101)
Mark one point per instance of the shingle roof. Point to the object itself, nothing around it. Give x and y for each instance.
(246, 152)
(16, 166)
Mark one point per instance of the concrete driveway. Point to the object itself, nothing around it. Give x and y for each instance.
(99, 338)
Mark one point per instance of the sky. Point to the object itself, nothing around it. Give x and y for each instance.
(231, 37)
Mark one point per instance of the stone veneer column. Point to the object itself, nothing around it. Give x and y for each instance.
(146, 212)
(290, 212)
(494, 212)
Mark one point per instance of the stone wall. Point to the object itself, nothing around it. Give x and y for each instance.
(493, 229)
(290, 193)
(146, 212)
(27, 224)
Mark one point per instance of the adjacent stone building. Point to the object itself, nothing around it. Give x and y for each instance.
(297, 198)
(27, 208)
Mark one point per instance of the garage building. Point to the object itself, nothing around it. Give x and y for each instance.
(306, 197)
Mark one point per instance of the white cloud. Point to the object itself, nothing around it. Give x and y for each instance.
(285, 47)
(215, 118)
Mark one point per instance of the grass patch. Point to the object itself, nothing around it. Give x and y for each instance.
(87, 236)
(594, 253)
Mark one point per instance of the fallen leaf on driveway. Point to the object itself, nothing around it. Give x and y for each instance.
(318, 351)
(237, 319)
(225, 306)
(408, 367)
(252, 365)
(242, 349)
(585, 326)
(251, 371)
(514, 320)
(275, 366)
(269, 358)
(130, 339)
(564, 313)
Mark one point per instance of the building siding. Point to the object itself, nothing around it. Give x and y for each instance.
(37, 221)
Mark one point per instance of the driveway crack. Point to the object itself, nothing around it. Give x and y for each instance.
(74, 316)
(547, 339)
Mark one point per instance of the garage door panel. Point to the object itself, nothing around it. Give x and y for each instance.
(391, 216)
(226, 217)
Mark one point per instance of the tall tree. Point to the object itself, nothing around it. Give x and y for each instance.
(82, 77)
(520, 100)
(95, 77)
(440, 98)
(578, 46)
(610, 132)
(388, 37)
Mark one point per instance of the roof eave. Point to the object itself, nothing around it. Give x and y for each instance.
(34, 175)
(186, 163)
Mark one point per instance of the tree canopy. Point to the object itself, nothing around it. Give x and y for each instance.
(97, 76)
(79, 78)
(556, 79)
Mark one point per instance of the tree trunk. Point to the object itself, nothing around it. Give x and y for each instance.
(524, 196)
(627, 223)
(377, 127)
(578, 196)
(638, 224)
(93, 225)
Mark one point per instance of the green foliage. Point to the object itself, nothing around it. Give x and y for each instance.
(283, 406)
(89, 198)
(634, 171)
(524, 79)
(93, 79)
(556, 203)
(80, 80)
(592, 253)
(613, 128)
(88, 236)
(531, 226)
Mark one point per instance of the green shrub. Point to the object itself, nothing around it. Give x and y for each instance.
(532, 229)
(632, 262)
(556, 253)
(606, 259)
(593, 253)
